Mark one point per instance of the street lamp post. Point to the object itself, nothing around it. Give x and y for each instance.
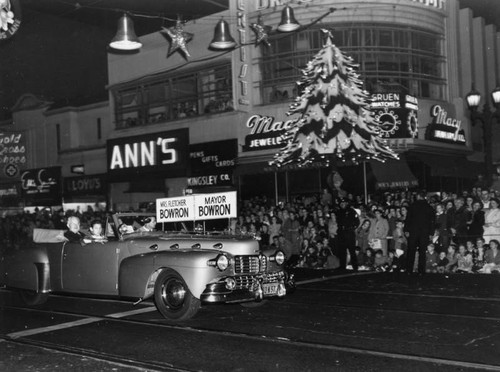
(486, 117)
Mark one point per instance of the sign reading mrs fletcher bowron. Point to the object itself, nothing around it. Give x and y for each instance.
(197, 207)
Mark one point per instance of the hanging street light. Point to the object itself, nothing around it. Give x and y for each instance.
(486, 117)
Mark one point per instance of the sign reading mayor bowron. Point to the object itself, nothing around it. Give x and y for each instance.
(197, 207)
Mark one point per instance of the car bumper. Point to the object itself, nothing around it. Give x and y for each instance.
(246, 288)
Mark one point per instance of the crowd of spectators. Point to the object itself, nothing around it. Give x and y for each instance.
(465, 238)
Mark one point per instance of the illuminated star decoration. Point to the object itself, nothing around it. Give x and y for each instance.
(179, 38)
(261, 32)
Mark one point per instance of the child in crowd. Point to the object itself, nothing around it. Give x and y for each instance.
(368, 261)
(431, 259)
(451, 256)
(471, 248)
(380, 261)
(464, 260)
(360, 256)
(442, 263)
(398, 260)
(478, 262)
(310, 260)
(400, 241)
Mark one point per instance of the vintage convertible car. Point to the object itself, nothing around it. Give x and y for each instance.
(179, 270)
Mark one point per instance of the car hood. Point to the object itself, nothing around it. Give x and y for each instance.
(163, 241)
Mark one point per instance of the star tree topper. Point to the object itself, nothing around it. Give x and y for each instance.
(179, 38)
(261, 32)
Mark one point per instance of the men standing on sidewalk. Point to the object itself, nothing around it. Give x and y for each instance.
(419, 227)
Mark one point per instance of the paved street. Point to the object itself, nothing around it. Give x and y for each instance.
(362, 322)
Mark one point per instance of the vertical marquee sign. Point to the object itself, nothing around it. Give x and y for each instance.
(243, 59)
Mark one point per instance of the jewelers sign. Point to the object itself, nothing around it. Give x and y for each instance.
(444, 128)
(197, 207)
(266, 132)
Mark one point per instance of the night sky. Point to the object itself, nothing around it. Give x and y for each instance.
(64, 61)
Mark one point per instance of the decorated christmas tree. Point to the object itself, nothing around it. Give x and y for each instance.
(335, 118)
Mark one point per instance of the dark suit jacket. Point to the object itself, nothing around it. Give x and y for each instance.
(457, 219)
(74, 237)
(420, 218)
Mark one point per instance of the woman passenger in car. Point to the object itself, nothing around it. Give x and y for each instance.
(95, 233)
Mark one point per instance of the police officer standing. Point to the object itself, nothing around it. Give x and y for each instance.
(348, 222)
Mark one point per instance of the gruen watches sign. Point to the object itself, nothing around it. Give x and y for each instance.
(197, 207)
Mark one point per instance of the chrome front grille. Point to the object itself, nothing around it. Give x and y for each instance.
(247, 264)
(245, 282)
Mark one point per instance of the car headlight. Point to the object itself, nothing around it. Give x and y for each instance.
(278, 257)
(221, 262)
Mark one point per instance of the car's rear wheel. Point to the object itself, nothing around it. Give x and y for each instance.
(32, 298)
(173, 298)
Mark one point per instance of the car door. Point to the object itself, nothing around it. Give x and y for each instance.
(91, 268)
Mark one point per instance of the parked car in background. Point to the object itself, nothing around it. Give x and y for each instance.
(179, 270)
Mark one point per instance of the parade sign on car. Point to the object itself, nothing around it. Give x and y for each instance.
(196, 207)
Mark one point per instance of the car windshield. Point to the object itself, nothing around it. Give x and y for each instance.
(128, 223)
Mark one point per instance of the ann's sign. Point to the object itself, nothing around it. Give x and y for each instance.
(150, 153)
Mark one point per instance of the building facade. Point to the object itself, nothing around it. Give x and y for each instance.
(213, 120)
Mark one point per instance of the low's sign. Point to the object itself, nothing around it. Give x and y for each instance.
(197, 207)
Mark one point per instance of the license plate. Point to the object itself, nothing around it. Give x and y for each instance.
(270, 289)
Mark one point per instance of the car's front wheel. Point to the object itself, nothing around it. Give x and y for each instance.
(172, 297)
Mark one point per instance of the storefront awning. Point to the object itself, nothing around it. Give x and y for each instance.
(393, 174)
